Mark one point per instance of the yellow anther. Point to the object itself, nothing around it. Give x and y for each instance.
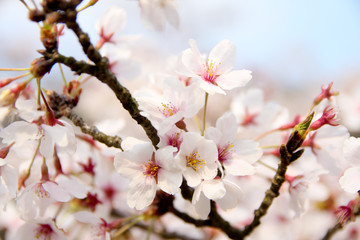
(168, 109)
(195, 161)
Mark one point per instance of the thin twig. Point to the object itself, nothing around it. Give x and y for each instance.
(62, 106)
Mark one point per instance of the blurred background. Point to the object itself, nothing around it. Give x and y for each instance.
(292, 47)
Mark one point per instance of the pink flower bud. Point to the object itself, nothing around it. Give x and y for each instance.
(328, 117)
(325, 93)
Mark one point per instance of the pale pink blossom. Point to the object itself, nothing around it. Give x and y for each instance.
(148, 170)
(197, 158)
(255, 115)
(214, 73)
(8, 182)
(235, 155)
(225, 193)
(176, 104)
(298, 190)
(350, 180)
(100, 229)
(155, 13)
(39, 125)
(111, 22)
(45, 229)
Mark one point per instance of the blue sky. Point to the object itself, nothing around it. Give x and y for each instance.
(296, 42)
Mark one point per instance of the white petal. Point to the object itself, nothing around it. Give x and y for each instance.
(202, 207)
(350, 181)
(247, 150)
(87, 217)
(56, 192)
(223, 55)
(192, 59)
(352, 150)
(234, 79)
(73, 186)
(237, 167)
(20, 132)
(214, 189)
(192, 177)
(141, 194)
(210, 88)
(228, 126)
(165, 158)
(171, 14)
(213, 134)
(47, 145)
(10, 176)
(113, 20)
(169, 181)
(232, 196)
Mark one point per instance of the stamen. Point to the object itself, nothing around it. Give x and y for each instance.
(194, 161)
(175, 140)
(41, 192)
(44, 231)
(225, 152)
(209, 73)
(151, 168)
(168, 109)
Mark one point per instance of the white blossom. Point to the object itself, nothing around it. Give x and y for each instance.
(214, 73)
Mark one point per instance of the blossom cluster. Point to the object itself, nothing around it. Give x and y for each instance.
(217, 154)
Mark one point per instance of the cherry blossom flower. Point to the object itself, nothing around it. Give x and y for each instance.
(112, 21)
(8, 182)
(148, 170)
(298, 189)
(178, 102)
(100, 229)
(197, 158)
(236, 156)
(154, 13)
(51, 131)
(256, 116)
(225, 193)
(327, 146)
(121, 61)
(350, 180)
(173, 137)
(214, 73)
(36, 197)
(39, 229)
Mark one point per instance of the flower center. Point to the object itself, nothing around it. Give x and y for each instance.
(194, 161)
(151, 169)
(40, 191)
(168, 109)
(209, 73)
(225, 152)
(45, 231)
(175, 140)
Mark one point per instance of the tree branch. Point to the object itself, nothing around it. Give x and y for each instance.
(62, 106)
(59, 12)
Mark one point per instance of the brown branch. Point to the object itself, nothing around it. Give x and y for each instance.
(332, 231)
(110, 141)
(287, 156)
(65, 12)
(62, 106)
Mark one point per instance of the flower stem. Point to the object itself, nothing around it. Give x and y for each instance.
(14, 69)
(204, 118)
(27, 174)
(128, 226)
(62, 74)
